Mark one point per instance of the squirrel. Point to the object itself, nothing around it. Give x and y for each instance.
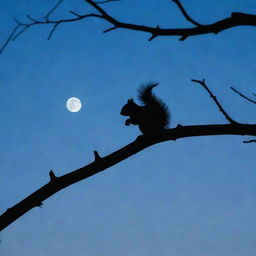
(153, 117)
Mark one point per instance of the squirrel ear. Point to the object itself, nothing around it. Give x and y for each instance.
(130, 100)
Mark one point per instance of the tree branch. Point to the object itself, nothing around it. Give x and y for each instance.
(221, 109)
(187, 17)
(102, 163)
(242, 95)
(106, 1)
(236, 19)
(53, 9)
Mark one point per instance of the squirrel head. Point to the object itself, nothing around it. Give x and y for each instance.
(128, 108)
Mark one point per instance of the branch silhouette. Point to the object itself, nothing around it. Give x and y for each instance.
(242, 95)
(102, 163)
(235, 19)
(221, 109)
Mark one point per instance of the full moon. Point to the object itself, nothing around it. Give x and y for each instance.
(73, 104)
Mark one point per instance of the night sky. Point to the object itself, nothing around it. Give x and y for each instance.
(190, 197)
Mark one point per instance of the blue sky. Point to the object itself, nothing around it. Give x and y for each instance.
(192, 197)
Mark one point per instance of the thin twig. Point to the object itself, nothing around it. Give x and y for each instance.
(75, 13)
(53, 9)
(221, 109)
(53, 30)
(187, 17)
(242, 95)
(106, 1)
(19, 33)
(9, 38)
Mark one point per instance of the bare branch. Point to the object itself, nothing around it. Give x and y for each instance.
(53, 30)
(106, 1)
(109, 29)
(221, 109)
(53, 9)
(242, 95)
(20, 32)
(9, 38)
(75, 13)
(236, 19)
(187, 17)
(102, 163)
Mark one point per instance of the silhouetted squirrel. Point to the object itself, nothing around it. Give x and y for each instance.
(153, 117)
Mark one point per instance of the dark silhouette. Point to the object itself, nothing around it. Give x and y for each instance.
(146, 116)
(153, 117)
(57, 183)
(235, 19)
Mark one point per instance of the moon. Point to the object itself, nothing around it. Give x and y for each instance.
(73, 104)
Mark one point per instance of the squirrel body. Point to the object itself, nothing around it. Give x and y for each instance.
(152, 117)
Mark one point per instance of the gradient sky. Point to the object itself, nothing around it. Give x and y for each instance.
(191, 197)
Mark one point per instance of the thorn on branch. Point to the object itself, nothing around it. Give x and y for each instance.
(96, 156)
(221, 109)
(52, 176)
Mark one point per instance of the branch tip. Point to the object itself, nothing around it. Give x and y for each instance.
(109, 29)
(242, 95)
(221, 109)
(185, 14)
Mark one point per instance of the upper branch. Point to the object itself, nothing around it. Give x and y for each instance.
(236, 19)
(102, 163)
(187, 17)
(221, 109)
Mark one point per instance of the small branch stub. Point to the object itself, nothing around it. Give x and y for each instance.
(52, 175)
(96, 156)
(40, 204)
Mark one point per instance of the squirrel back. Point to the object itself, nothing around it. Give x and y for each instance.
(153, 116)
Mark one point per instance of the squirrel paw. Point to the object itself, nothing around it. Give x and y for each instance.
(127, 123)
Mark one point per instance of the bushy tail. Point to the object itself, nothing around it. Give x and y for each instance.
(145, 94)
(158, 107)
